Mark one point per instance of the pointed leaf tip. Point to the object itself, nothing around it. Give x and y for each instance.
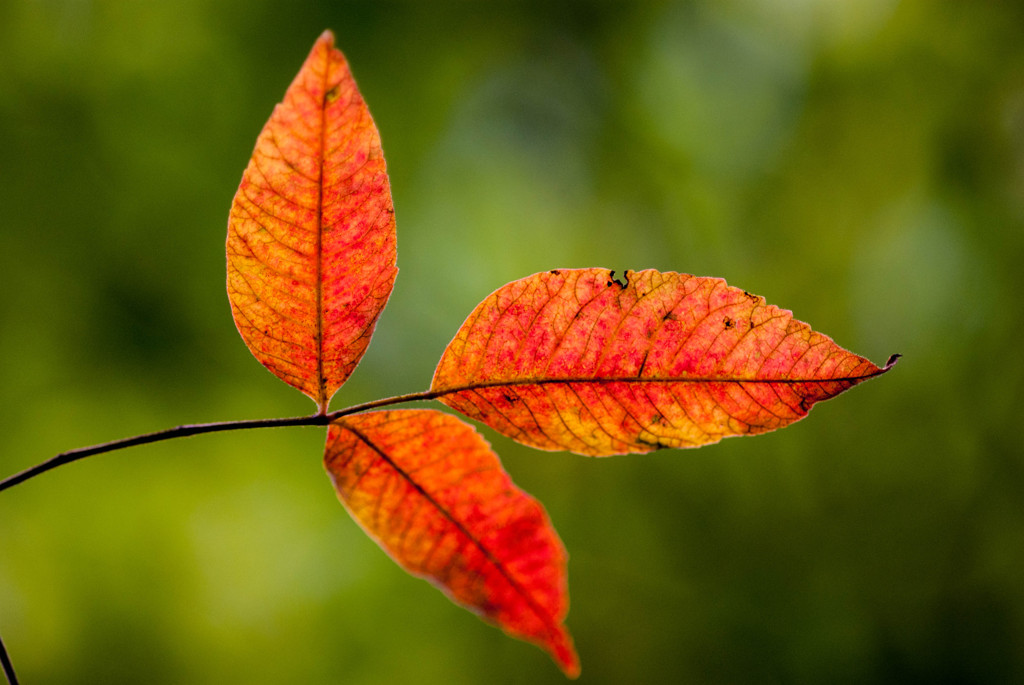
(580, 360)
(311, 234)
(432, 493)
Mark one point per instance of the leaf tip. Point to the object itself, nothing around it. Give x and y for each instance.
(327, 38)
(558, 643)
(567, 658)
(891, 362)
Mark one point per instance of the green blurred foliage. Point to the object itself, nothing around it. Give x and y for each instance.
(858, 161)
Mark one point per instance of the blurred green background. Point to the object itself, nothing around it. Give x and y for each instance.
(860, 162)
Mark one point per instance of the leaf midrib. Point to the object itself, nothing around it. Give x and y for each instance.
(321, 390)
(479, 385)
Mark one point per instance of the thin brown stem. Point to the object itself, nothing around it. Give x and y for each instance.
(168, 434)
(5, 660)
(200, 428)
(388, 401)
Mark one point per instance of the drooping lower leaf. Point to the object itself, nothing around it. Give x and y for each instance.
(580, 360)
(311, 234)
(430, 491)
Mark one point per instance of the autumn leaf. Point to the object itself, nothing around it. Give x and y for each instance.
(430, 491)
(311, 234)
(580, 360)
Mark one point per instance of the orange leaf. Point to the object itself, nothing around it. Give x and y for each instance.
(578, 360)
(430, 491)
(311, 235)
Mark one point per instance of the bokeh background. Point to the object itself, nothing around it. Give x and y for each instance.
(860, 162)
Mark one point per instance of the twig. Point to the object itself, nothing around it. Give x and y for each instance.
(5, 660)
(200, 428)
(169, 434)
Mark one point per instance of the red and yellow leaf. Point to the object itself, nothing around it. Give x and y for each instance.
(430, 491)
(311, 234)
(579, 360)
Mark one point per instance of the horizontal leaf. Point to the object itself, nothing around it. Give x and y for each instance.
(430, 491)
(311, 234)
(579, 360)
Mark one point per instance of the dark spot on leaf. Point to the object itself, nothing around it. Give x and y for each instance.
(554, 272)
(331, 95)
(511, 399)
(669, 316)
(729, 323)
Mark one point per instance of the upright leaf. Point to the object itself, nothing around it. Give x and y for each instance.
(431, 492)
(311, 234)
(579, 360)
